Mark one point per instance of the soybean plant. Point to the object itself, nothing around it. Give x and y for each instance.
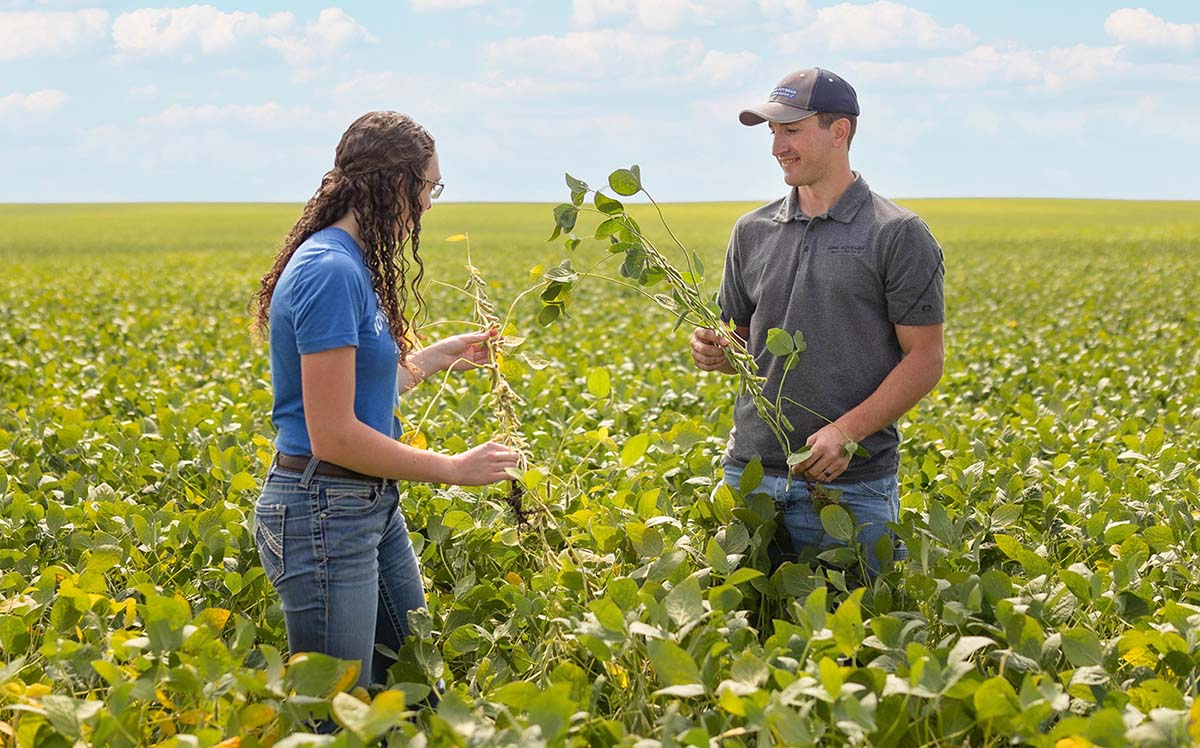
(645, 266)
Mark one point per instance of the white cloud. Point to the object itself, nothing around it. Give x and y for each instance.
(46, 101)
(157, 32)
(270, 116)
(152, 32)
(724, 67)
(793, 9)
(1140, 26)
(433, 6)
(879, 25)
(333, 31)
(984, 65)
(147, 91)
(38, 33)
(598, 54)
(658, 15)
(1152, 115)
(506, 18)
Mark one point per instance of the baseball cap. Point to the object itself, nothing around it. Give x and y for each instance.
(803, 94)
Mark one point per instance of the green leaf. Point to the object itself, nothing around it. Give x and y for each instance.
(635, 263)
(847, 624)
(752, 476)
(995, 698)
(574, 184)
(578, 189)
(684, 604)
(672, 664)
(837, 523)
(779, 342)
(608, 614)
(634, 449)
(599, 383)
(563, 272)
(625, 181)
(606, 204)
(565, 215)
(607, 228)
(744, 574)
(1082, 647)
(684, 691)
(798, 338)
(61, 712)
(351, 714)
(516, 694)
(549, 314)
(316, 674)
(831, 677)
(795, 458)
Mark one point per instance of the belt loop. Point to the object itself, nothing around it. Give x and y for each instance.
(309, 469)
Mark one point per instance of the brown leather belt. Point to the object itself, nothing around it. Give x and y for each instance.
(297, 463)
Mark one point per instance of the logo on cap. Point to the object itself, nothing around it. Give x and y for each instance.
(784, 91)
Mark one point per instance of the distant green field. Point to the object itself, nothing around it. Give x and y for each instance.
(1049, 490)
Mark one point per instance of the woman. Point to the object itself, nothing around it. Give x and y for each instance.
(338, 302)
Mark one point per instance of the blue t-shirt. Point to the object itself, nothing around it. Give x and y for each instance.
(324, 300)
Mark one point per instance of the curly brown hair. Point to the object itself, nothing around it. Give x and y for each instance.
(379, 173)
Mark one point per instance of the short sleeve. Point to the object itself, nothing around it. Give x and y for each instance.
(913, 272)
(327, 303)
(735, 303)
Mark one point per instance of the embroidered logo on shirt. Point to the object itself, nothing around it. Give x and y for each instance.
(847, 249)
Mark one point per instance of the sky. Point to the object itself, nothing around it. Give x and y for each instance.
(240, 101)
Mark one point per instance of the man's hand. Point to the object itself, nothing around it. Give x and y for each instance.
(707, 351)
(829, 458)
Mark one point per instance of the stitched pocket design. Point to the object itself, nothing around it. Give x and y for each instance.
(268, 536)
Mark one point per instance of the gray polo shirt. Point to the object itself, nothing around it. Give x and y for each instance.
(844, 279)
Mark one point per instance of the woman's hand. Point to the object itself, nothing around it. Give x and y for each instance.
(461, 352)
(486, 463)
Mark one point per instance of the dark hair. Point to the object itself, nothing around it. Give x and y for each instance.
(379, 173)
(826, 120)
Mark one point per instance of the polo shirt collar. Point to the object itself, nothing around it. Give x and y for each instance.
(843, 211)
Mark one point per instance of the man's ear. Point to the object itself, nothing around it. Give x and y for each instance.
(841, 130)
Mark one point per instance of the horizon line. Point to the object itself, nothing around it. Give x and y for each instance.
(637, 202)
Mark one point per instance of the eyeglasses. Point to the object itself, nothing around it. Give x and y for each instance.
(436, 191)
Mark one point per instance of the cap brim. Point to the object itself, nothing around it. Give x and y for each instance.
(773, 111)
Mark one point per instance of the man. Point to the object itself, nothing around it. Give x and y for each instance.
(861, 278)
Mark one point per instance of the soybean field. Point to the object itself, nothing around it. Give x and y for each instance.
(1050, 501)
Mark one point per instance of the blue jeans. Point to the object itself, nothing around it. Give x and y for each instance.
(872, 504)
(338, 553)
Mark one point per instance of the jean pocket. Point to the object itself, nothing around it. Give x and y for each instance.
(268, 536)
(350, 499)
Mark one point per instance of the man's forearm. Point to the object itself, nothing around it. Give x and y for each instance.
(912, 379)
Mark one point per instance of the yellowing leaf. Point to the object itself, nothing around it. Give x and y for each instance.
(535, 273)
(214, 617)
(1140, 657)
(634, 449)
(255, 715)
(1075, 741)
(243, 481)
(348, 679)
(456, 238)
(414, 439)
